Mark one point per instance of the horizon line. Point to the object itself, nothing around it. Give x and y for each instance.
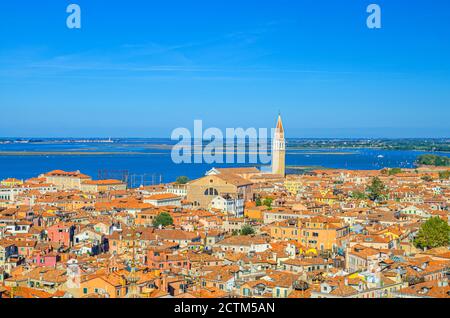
(168, 138)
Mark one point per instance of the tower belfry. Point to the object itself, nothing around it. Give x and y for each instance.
(279, 149)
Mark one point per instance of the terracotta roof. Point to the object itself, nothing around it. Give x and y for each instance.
(162, 196)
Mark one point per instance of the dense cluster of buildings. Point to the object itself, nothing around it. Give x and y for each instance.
(235, 232)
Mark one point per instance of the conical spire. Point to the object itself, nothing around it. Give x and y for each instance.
(278, 149)
(280, 124)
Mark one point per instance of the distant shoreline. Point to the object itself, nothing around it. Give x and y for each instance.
(322, 153)
(130, 153)
(72, 153)
(440, 148)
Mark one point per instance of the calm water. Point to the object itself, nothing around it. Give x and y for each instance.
(154, 164)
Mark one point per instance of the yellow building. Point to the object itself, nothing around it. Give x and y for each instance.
(293, 184)
(11, 182)
(107, 285)
(95, 186)
(325, 196)
(255, 213)
(65, 180)
(201, 191)
(323, 233)
(318, 233)
(284, 231)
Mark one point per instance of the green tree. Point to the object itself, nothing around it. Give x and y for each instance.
(258, 202)
(394, 171)
(434, 232)
(182, 180)
(247, 230)
(267, 202)
(433, 160)
(359, 195)
(444, 175)
(427, 178)
(163, 219)
(376, 190)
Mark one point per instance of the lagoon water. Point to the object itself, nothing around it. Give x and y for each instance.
(149, 161)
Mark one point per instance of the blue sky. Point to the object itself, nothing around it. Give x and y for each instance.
(143, 68)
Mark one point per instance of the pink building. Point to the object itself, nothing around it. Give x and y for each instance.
(61, 233)
(47, 260)
(166, 261)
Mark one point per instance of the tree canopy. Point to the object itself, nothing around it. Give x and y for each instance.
(427, 178)
(392, 171)
(433, 160)
(247, 230)
(163, 219)
(182, 180)
(434, 232)
(444, 175)
(376, 190)
(267, 202)
(359, 195)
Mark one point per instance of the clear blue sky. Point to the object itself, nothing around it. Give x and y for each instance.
(143, 68)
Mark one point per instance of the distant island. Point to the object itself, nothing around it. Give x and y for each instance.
(433, 160)
(419, 144)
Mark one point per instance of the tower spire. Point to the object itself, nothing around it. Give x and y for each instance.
(280, 124)
(279, 149)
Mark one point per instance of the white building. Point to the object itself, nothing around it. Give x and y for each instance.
(227, 204)
(164, 199)
(177, 189)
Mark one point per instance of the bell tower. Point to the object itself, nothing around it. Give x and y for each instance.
(279, 149)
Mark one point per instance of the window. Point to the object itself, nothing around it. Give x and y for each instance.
(211, 191)
(85, 290)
